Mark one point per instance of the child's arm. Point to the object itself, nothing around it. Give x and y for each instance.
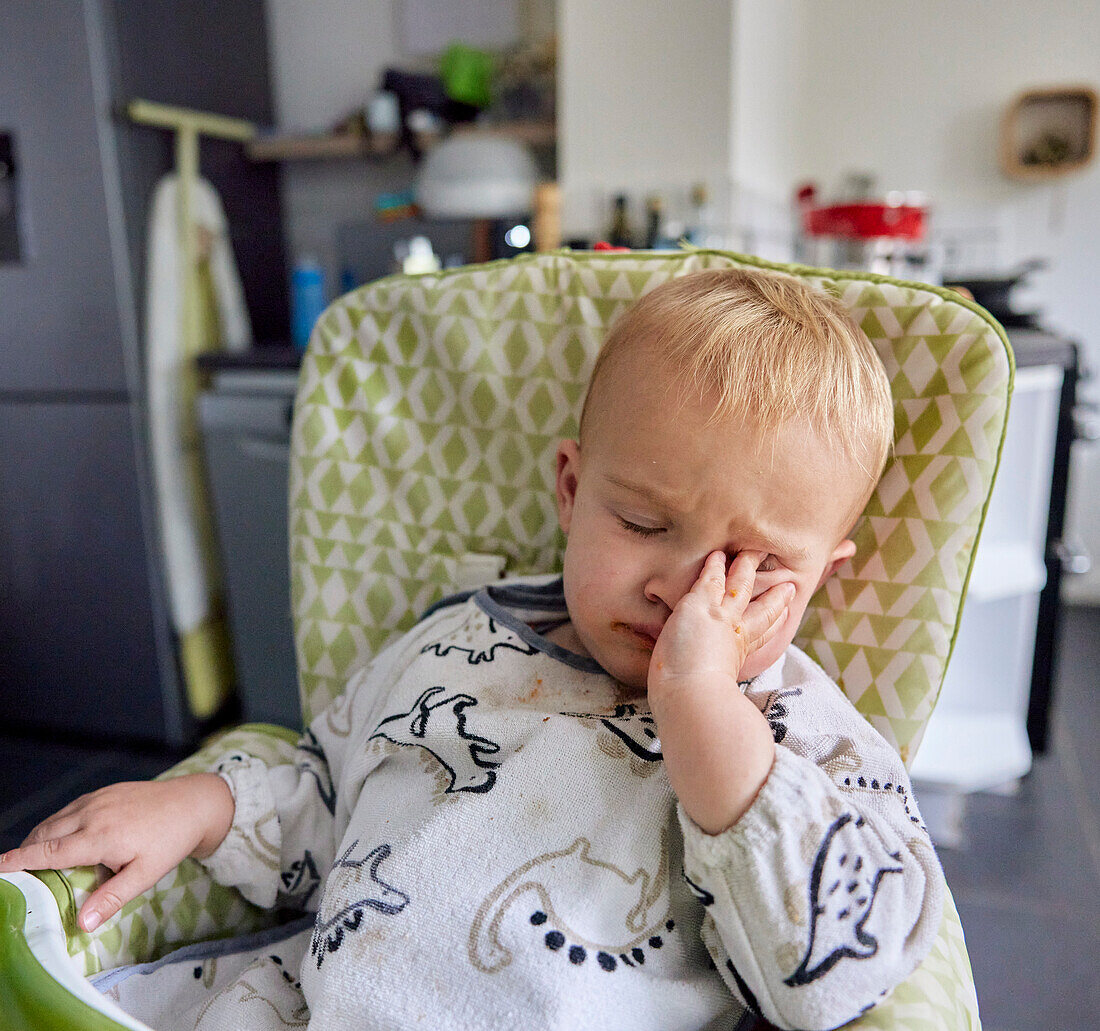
(718, 748)
(269, 831)
(138, 830)
(824, 893)
(290, 817)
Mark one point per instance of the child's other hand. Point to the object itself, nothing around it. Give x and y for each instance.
(138, 830)
(717, 625)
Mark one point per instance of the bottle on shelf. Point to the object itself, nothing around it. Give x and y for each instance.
(547, 220)
(307, 299)
(660, 233)
(620, 235)
(654, 208)
(699, 225)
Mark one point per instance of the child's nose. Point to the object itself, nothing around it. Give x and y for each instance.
(673, 580)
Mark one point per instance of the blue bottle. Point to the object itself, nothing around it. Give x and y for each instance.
(307, 300)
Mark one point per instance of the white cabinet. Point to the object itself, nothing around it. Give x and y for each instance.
(977, 737)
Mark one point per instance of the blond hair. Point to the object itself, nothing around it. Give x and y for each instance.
(771, 348)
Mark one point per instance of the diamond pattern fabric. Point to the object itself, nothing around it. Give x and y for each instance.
(428, 413)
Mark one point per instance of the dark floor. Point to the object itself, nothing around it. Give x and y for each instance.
(1025, 875)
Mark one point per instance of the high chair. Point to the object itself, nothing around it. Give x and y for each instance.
(426, 419)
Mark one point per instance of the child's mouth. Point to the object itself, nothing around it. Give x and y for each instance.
(642, 636)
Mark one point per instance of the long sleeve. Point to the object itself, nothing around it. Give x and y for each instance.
(289, 818)
(827, 892)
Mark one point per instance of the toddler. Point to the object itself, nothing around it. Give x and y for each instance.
(617, 798)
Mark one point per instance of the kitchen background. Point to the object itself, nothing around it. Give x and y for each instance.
(747, 99)
(752, 97)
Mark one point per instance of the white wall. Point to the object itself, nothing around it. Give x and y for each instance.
(327, 58)
(644, 100)
(950, 67)
(771, 89)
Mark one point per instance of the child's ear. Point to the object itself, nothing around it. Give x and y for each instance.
(569, 461)
(841, 553)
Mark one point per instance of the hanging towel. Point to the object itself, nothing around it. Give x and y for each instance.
(187, 537)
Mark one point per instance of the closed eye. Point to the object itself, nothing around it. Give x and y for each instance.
(641, 531)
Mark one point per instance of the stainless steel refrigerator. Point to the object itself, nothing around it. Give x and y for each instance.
(85, 642)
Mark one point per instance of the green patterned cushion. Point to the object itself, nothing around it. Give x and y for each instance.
(430, 407)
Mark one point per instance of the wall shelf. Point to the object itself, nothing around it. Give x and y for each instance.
(330, 146)
(320, 146)
(534, 134)
(1047, 133)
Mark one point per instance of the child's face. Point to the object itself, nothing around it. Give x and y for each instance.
(656, 490)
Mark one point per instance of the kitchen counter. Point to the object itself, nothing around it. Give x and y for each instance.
(265, 356)
(1039, 347)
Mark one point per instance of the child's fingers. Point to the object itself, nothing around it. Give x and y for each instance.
(742, 576)
(103, 903)
(55, 827)
(712, 577)
(767, 613)
(59, 853)
(58, 825)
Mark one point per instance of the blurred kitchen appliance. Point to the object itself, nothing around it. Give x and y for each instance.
(884, 236)
(478, 177)
(997, 699)
(245, 420)
(993, 292)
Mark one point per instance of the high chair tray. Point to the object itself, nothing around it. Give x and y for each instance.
(44, 989)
